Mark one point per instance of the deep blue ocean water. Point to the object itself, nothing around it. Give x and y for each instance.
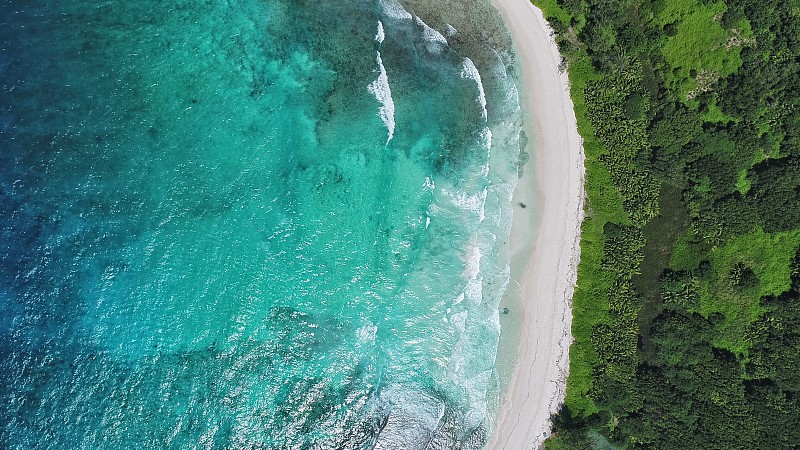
(252, 223)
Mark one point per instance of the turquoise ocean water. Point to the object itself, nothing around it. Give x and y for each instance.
(252, 223)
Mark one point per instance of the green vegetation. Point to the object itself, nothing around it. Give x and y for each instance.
(687, 311)
(767, 255)
(698, 50)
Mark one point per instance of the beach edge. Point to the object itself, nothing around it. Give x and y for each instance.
(545, 247)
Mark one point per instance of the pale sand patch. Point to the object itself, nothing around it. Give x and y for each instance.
(544, 244)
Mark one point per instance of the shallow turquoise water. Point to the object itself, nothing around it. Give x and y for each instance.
(252, 224)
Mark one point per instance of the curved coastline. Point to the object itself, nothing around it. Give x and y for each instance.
(545, 239)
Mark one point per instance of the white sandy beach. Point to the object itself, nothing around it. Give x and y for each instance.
(544, 239)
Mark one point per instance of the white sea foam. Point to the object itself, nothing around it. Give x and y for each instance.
(510, 88)
(477, 394)
(495, 321)
(472, 255)
(381, 35)
(366, 333)
(474, 290)
(471, 72)
(380, 89)
(394, 9)
(472, 258)
(486, 135)
(482, 209)
(414, 418)
(429, 33)
(450, 30)
(429, 184)
(459, 320)
(469, 202)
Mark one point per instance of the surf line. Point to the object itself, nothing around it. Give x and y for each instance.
(381, 90)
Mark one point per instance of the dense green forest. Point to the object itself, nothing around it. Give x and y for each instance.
(687, 311)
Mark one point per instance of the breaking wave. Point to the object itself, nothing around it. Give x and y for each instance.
(383, 93)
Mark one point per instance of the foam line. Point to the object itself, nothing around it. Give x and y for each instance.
(450, 30)
(380, 89)
(471, 72)
(381, 35)
(429, 33)
(393, 9)
(474, 202)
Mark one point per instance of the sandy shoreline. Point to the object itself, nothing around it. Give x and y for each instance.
(544, 241)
